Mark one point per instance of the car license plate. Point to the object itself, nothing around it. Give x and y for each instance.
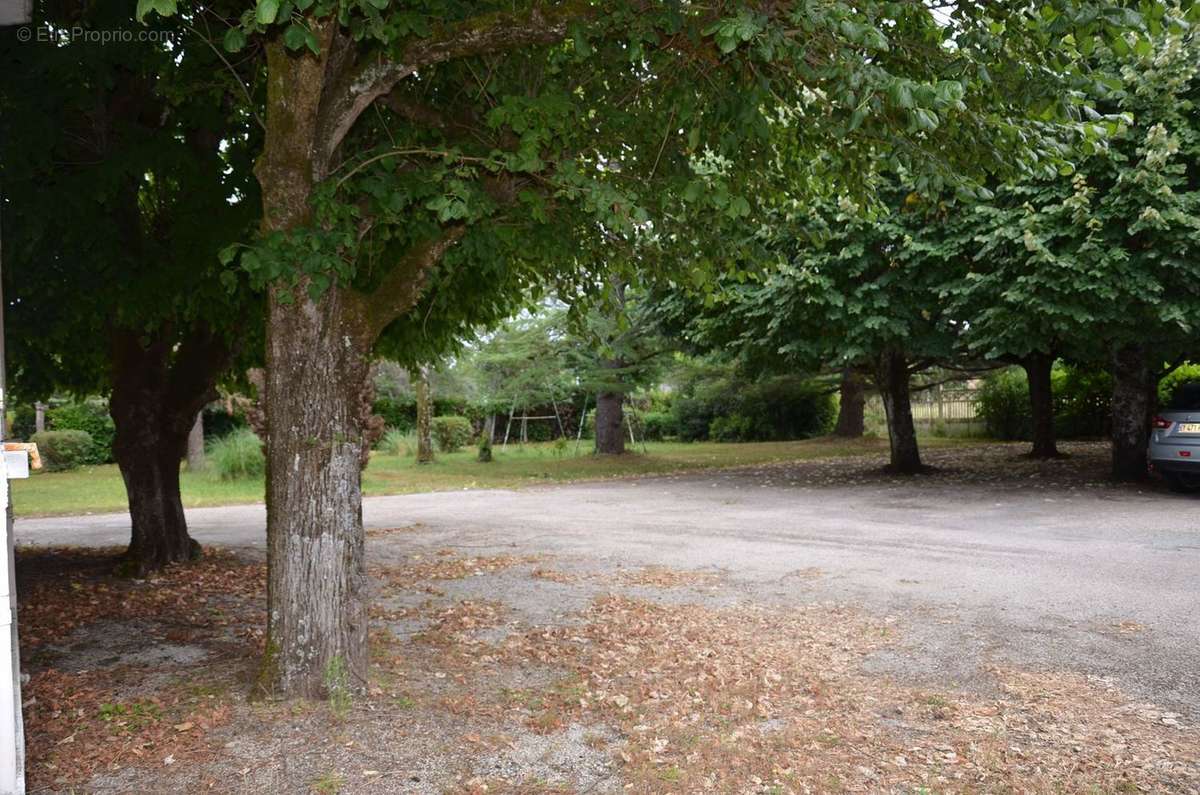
(1189, 427)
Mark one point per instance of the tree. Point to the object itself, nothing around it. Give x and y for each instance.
(522, 131)
(614, 346)
(125, 167)
(846, 292)
(1094, 265)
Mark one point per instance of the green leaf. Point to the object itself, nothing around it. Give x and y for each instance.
(738, 208)
(582, 46)
(295, 37)
(266, 11)
(235, 40)
(165, 8)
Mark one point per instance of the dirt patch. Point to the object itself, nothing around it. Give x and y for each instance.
(709, 700)
(666, 577)
(484, 690)
(422, 569)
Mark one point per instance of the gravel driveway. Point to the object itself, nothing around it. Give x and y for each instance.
(1041, 566)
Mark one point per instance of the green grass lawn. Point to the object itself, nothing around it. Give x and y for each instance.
(99, 489)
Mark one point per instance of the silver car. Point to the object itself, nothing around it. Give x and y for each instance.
(1175, 440)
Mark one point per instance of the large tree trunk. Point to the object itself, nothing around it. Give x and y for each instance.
(195, 444)
(891, 374)
(157, 391)
(420, 378)
(317, 373)
(1132, 408)
(852, 401)
(610, 414)
(1038, 368)
(317, 401)
(610, 417)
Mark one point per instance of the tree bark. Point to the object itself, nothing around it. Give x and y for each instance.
(1038, 368)
(852, 402)
(424, 415)
(1133, 401)
(317, 396)
(610, 413)
(891, 374)
(195, 444)
(317, 372)
(157, 391)
(610, 417)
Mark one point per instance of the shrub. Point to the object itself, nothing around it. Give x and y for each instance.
(398, 443)
(1004, 405)
(658, 425)
(62, 450)
(237, 455)
(1082, 403)
(1167, 388)
(451, 433)
(399, 413)
(734, 428)
(771, 409)
(90, 416)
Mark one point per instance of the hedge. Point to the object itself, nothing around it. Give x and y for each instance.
(63, 450)
(1168, 387)
(92, 417)
(1082, 403)
(730, 409)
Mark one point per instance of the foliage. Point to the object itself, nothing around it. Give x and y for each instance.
(90, 416)
(1170, 384)
(725, 406)
(452, 433)
(65, 449)
(218, 422)
(485, 449)
(397, 442)
(1004, 405)
(126, 166)
(24, 421)
(400, 412)
(658, 426)
(1081, 403)
(841, 287)
(1099, 256)
(237, 456)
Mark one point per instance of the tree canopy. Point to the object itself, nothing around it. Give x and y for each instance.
(125, 167)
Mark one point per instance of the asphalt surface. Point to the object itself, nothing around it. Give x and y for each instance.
(1093, 580)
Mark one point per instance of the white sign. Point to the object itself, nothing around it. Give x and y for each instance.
(16, 464)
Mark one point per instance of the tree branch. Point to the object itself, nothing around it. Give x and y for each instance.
(401, 287)
(486, 33)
